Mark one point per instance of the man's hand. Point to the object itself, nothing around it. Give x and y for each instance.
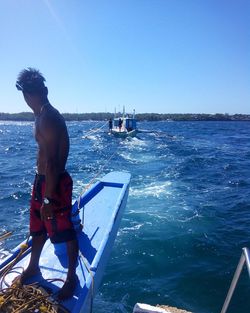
(46, 212)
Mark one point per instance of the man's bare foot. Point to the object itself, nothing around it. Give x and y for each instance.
(68, 288)
(26, 274)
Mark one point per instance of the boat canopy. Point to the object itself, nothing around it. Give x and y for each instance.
(129, 123)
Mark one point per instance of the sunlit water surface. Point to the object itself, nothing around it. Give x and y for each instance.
(187, 216)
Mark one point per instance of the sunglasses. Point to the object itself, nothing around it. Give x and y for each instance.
(19, 87)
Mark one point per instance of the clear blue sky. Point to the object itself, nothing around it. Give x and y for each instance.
(163, 56)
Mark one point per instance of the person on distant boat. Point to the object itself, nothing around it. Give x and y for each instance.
(110, 125)
(50, 210)
(120, 124)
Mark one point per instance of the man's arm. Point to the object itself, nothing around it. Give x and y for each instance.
(50, 144)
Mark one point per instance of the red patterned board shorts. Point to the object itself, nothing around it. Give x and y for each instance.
(60, 228)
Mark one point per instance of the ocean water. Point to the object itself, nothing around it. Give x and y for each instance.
(187, 216)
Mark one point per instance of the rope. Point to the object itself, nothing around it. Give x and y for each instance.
(5, 235)
(93, 179)
(10, 266)
(32, 298)
(92, 280)
(78, 210)
(28, 299)
(92, 130)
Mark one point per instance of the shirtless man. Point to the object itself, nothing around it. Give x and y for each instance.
(50, 211)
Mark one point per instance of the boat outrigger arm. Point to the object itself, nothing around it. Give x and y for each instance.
(244, 259)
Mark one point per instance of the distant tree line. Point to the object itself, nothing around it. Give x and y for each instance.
(192, 117)
(28, 116)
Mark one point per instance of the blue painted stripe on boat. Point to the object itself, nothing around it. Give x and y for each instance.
(90, 194)
(110, 184)
(15, 253)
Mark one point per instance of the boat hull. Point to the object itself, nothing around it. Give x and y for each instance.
(124, 134)
(103, 204)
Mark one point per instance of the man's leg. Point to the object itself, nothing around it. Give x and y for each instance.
(33, 267)
(68, 288)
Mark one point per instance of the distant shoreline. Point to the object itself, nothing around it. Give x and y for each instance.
(28, 116)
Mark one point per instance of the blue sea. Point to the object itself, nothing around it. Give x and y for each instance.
(187, 216)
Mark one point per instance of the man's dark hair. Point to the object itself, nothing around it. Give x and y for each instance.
(31, 80)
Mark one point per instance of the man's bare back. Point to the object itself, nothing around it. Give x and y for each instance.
(52, 137)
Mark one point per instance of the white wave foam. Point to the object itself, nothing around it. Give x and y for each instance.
(17, 123)
(134, 141)
(138, 158)
(135, 227)
(153, 189)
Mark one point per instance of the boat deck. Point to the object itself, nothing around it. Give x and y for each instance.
(103, 206)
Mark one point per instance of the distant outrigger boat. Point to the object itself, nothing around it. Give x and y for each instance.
(124, 126)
